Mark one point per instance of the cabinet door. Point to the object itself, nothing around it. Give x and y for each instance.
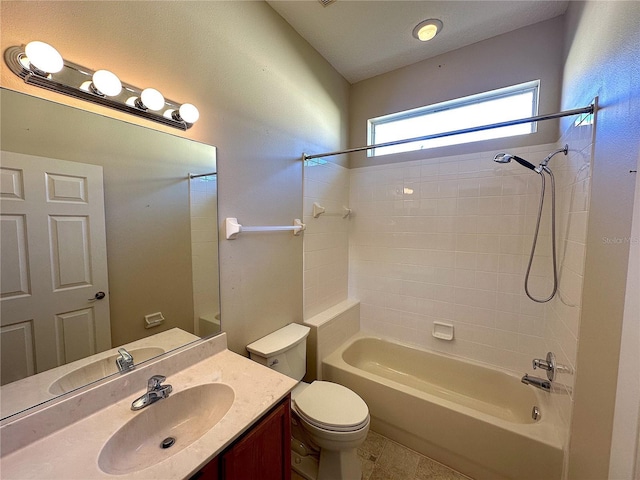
(211, 471)
(265, 452)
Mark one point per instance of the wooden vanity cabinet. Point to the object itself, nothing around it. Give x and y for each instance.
(261, 453)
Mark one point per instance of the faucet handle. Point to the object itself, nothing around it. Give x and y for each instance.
(539, 363)
(155, 382)
(549, 365)
(124, 360)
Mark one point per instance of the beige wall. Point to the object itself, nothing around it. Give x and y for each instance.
(523, 55)
(264, 94)
(625, 445)
(602, 52)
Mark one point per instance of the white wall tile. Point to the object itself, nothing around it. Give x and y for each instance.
(449, 239)
(458, 250)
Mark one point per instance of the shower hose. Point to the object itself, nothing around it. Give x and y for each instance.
(553, 238)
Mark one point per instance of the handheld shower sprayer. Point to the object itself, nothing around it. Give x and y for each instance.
(540, 170)
(507, 157)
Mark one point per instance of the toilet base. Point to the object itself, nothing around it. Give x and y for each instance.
(339, 464)
(336, 465)
(305, 466)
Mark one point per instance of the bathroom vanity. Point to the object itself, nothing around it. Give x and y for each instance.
(264, 451)
(228, 417)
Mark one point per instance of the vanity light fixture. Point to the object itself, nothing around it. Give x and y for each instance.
(105, 83)
(43, 58)
(427, 29)
(151, 99)
(188, 113)
(38, 63)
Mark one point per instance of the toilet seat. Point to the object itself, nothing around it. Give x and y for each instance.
(330, 406)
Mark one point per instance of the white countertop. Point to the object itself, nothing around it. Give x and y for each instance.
(45, 445)
(35, 389)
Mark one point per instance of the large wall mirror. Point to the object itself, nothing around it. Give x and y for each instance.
(109, 240)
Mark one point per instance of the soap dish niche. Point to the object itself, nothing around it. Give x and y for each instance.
(442, 331)
(153, 320)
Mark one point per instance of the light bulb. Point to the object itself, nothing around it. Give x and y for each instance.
(427, 29)
(152, 99)
(106, 83)
(427, 32)
(189, 113)
(44, 57)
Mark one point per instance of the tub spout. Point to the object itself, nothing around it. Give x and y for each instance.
(537, 382)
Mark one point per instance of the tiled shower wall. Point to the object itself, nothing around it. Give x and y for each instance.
(562, 313)
(445, 239)
(203, 194)
(326, 245)
(448, 240)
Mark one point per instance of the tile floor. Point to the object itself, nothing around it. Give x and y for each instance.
(384, 459)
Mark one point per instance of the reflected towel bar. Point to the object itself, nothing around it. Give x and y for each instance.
(233, 228)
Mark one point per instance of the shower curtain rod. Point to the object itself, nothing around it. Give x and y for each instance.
(198, 175)
(566, 113)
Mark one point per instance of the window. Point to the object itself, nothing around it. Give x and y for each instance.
(511, 103)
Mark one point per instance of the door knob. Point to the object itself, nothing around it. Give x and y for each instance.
(98, 296)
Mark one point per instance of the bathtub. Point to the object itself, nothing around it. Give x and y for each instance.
(473, 418)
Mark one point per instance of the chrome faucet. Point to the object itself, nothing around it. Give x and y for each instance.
(155, 391)
(124, 361)
(537, 382)
(550, 365)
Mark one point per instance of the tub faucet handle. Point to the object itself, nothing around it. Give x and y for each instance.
(539, 363)
(549, 365)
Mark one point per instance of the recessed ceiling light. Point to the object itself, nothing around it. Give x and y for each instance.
(427, 29)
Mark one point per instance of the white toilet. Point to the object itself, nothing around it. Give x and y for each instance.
(329, 421)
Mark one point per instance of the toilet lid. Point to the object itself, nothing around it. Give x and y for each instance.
(331, 406)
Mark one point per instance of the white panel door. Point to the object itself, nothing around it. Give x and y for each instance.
(54, 261)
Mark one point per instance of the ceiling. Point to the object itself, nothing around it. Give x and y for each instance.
(362, 39)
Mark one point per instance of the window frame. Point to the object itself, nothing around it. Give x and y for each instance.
(513, 90)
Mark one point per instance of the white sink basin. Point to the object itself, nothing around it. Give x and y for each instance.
(99, 369)
(184, 416)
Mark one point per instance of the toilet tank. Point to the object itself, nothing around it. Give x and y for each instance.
(284, 350)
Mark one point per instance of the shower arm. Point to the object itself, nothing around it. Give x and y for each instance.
(564, 150)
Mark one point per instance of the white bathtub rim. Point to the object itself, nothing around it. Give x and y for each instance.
(451, 356)
(544, 430)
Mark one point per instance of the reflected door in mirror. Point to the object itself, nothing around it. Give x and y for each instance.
(54, 269)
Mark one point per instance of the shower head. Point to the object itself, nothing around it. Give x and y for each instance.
(502, 158)
(507, 157)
